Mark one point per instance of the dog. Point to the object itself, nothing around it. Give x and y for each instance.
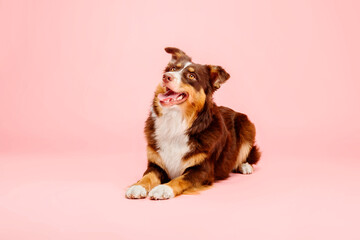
(192, 142)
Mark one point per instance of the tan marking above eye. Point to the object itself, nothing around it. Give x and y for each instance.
(178, 65)
(191, 69)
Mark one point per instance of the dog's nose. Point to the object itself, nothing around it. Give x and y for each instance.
(167, 77)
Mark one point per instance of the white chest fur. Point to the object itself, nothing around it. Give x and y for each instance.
(172, 140)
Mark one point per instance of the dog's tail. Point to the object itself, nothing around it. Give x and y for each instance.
(254, 155)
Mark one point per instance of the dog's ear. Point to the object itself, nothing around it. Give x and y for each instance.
(177, 54)
(217, 76)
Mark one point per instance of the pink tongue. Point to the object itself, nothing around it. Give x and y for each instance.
(163, 97)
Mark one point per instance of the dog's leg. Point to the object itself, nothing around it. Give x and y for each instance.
(153, 176)
(193, 177)
(246, 158)
(249, 153)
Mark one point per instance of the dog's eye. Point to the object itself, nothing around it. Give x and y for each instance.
(173, 69)
(191, 76)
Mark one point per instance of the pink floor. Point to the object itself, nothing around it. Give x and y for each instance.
(79, 196)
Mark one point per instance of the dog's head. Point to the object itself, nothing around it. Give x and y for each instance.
(187, 85)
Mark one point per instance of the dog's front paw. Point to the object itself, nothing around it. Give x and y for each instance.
(161, 192)
(136, 192)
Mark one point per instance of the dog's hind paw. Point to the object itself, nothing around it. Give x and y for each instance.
(246, 168)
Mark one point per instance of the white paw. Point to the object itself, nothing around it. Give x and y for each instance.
(136, 191)
(161, 192)
(246, 168)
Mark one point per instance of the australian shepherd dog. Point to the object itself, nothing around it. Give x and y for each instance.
(192, 142)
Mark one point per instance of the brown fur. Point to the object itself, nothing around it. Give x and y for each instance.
(194, 103)
(154, 157)
(193, 160)
(149, 181)
(179, 185)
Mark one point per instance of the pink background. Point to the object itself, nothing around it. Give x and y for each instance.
(76, 83)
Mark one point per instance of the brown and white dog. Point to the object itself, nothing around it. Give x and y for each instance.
(191, 142)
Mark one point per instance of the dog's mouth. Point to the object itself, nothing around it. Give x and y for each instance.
(170, 98)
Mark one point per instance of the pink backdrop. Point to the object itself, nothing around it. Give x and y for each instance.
(76, 83)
